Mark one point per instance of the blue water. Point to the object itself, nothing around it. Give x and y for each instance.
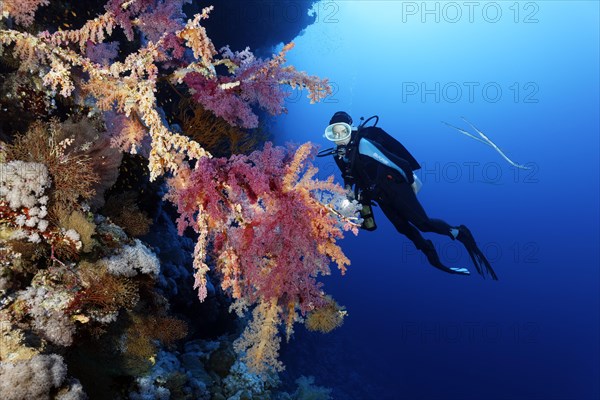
(526, 74)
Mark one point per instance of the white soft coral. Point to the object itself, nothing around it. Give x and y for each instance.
(22, 183)
(22, 187)
(133, 260)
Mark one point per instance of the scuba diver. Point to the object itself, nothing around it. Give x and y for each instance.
(381, 170)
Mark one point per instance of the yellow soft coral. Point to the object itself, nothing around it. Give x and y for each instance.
(260, 341)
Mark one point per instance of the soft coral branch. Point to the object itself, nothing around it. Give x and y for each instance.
(130, 86)
(253, 83)
(271, 233)
(23, 11)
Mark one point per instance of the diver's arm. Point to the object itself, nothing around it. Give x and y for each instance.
(349, 181)
(347, 174)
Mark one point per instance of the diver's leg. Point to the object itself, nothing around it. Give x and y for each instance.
(408, 205)
(422, 244)
(404, 201)
(404, 227)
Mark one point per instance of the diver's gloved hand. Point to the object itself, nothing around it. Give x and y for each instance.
(460, 271)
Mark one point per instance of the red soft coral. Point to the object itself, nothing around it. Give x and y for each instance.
(253, 83)
(270, 233)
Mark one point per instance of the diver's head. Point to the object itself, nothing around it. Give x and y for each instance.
(341, 116)
(339, 129)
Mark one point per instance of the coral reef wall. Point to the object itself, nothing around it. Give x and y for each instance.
(152, 245)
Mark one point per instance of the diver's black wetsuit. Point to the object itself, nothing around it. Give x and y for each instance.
(392, 191)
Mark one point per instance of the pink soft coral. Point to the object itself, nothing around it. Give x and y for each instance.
(23, 11)
(271, 234)
(253, 83)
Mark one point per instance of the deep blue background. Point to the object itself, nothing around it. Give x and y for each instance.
(414, 332)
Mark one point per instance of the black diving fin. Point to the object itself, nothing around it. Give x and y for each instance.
(482, 264)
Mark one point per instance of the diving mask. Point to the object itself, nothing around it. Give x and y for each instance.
(338, 132)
